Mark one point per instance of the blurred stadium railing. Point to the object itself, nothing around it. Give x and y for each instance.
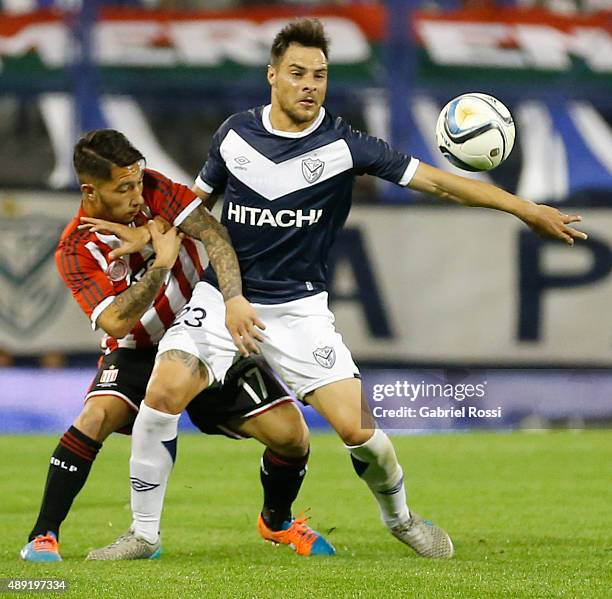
(413, 284)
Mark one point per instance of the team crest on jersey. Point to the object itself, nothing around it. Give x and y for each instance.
(325, 356)
(117, 270)
(30, 290)
(312, 169)
(109, 375)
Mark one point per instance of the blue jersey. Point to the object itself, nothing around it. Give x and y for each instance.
(287, 195)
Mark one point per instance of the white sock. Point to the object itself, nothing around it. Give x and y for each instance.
(150, 467)
(376, 463)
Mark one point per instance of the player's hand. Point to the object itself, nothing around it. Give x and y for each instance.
(550, 222)
(133, 238)
(166, 245)
(243, 324)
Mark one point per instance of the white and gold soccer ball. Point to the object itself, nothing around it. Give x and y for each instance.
(475, 132)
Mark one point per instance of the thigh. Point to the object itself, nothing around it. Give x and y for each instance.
(199, 330)
(302, 344)
(122, 378)
(176, 379)
(250, 389)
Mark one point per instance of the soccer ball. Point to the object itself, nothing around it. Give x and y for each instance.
(475, 132)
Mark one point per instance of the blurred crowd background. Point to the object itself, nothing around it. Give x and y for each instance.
(561, 6)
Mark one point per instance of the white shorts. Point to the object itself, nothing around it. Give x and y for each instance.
(300, 341)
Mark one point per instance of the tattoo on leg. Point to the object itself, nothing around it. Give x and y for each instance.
(195, 365)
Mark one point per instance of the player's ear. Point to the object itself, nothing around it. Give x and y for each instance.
(271, 74)
(88, 191)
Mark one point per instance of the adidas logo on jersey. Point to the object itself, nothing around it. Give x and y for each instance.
(260, 217)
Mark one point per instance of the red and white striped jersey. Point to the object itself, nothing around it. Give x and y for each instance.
(94, 280)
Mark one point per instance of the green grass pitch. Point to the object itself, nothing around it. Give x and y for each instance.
(529, 513)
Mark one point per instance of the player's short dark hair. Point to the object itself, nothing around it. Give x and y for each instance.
(99, 151)
(307, 32)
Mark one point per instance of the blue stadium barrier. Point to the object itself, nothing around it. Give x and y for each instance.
(403, 401)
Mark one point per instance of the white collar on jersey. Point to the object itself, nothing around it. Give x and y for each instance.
(267, 123)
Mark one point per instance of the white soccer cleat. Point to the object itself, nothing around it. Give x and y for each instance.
(427, 539)
(127, 547)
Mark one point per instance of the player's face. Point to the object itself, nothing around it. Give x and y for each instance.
(119, 199)
(299, 84)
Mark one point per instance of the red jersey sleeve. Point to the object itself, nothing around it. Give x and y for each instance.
(173, 201)
(86, 280)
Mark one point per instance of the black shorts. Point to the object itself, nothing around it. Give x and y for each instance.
(250, 388)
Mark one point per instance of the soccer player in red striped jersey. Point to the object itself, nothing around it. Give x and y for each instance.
(96, 276)
(135, 299)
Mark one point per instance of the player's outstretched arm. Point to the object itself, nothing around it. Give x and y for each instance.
(542, 219)
(241, 318)
(128, 307)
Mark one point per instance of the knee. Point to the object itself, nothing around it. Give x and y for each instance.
(174, 382)
(354, 435)
(292, 439)
(93, 421)
(164, 398)
(297, 443)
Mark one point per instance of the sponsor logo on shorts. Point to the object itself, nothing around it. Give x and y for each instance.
(312, 169)
(109, 375)
(142, 485)
(117, 270)
(325, 356)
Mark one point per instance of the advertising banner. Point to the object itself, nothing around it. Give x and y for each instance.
(37, 312)
(157, 48)
(189, 49)
(412, 401)
(532, 47)
(466, 286)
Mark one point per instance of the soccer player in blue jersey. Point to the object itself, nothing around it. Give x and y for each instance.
(286, 171)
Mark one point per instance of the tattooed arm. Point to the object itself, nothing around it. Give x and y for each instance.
(241, 318)
(127, 308)
(202, 225)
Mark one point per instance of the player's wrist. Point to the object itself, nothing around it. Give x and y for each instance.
(526, 211)
(164, 225)
(236, 296)
(161, 265)
(144, 233)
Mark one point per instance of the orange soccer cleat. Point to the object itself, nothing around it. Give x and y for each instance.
(298, 535)
(43, 548)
